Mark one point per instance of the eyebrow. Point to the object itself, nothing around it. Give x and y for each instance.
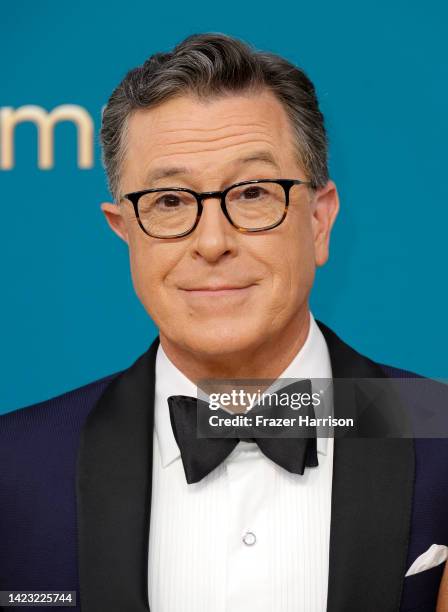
(175, 171)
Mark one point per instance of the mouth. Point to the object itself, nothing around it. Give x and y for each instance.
(218, 290)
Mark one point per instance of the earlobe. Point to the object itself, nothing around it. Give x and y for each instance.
(114, 218)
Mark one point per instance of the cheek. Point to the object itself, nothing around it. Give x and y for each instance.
(293, 276)
(149, 268)
(141, 272)
(295, 265)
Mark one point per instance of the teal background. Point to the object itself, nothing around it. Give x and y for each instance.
(68, 311)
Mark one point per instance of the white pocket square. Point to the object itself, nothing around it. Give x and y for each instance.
(435, 555)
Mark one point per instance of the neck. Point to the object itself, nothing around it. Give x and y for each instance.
(266, 360)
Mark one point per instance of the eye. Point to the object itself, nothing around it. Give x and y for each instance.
(168, 200)
(253, 192)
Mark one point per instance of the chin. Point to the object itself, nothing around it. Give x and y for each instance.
(226, 339)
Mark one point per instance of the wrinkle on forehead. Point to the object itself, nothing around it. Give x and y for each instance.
(216, 145)
(229, 120)
(183, 135)
(217, 124)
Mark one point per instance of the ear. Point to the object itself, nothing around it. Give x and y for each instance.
(325, 207)
(115, 218)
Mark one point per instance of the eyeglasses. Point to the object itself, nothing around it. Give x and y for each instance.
(250, 206)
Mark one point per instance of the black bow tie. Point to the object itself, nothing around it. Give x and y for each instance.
(201, 455)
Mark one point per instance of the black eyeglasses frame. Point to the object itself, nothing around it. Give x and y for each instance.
(287, 184)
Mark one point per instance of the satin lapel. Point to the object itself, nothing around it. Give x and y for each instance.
(373, 485)
(114, 492)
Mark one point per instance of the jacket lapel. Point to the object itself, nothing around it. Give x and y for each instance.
(114, 492)
(373, 483)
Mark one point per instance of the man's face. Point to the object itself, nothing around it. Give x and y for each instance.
(219, 291)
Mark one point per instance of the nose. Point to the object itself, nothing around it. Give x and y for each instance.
(214, 237)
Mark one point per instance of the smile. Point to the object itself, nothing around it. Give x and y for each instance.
(218, 291)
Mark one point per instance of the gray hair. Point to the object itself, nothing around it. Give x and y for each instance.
(211, 65)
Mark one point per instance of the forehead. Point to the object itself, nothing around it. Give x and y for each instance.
(207, 135)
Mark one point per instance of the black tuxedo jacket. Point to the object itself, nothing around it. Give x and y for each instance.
(75, 498)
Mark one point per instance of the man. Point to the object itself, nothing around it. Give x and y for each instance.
(217, 161)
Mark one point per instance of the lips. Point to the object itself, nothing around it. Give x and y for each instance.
(213, 288)
(211, 293)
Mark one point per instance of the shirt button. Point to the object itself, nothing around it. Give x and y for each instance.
(249, 538)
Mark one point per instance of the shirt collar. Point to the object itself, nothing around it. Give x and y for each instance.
(312, 361)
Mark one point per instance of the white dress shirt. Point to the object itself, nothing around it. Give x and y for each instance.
(250, 536)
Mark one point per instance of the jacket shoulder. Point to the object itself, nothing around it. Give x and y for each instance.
(71, 407)
(347, 362)
(393, 372)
